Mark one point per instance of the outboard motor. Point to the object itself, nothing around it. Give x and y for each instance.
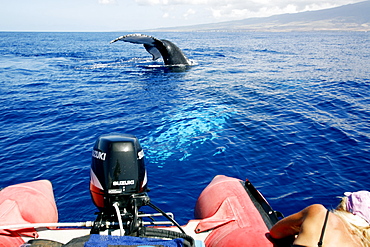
(118, 187)
(118, 181)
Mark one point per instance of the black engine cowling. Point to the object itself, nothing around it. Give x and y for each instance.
(117, 170)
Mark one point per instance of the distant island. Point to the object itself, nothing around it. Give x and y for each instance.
(351, 17)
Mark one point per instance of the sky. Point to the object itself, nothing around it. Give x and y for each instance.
(136, 15)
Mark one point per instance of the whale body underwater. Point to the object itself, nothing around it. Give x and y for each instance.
(171, 54)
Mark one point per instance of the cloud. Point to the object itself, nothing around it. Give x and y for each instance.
(208, 11)
(189, 12)
(107, 1)
(172, 2)
(166, 15)
(239, 8)
(235, 9)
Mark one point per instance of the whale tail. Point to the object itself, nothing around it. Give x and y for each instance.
(171, 54)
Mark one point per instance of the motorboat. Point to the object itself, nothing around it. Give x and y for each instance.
(228, 213)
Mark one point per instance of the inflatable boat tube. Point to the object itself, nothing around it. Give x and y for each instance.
(235, 213)
(25, 203)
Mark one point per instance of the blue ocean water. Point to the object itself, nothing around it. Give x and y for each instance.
(288, 111)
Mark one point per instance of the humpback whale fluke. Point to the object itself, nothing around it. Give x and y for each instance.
(171, 54)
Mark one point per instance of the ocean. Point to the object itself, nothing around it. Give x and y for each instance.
(288, 111)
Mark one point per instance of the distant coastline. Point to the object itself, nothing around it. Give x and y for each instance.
(351, 17)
